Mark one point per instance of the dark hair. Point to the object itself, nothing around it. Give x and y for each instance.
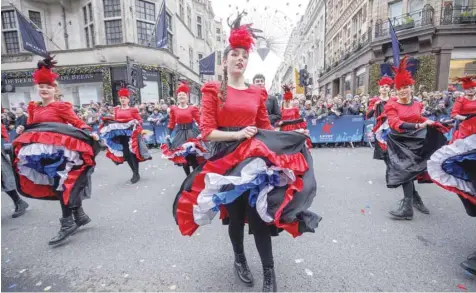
(224, 81)
(259, 75)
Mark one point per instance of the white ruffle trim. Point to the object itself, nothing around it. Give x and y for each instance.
(119, 126)
(436, 161)
(185, 146)
(203, 212)
(383, 128)
(73, 159)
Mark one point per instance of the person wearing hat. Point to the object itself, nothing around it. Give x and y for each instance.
(255, 174)
(453, 167)
(411, 141)
(184, 149)
(123, 136)
(54, 155)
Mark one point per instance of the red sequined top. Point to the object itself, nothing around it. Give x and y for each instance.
(242, 108)
(183, 116)
(398, 113)
(463, 106)
(60, 112)
(126, 115)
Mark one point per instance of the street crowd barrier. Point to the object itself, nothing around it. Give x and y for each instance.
(333, 129)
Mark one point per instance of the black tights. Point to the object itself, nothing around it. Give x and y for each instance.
(128, 156)
(238, 210)
(65, 209)
(14, 195)
(408, 189)
(191, 162)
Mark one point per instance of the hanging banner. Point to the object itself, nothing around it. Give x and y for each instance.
(299, 89)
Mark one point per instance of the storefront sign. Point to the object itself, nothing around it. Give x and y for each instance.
(64, 79)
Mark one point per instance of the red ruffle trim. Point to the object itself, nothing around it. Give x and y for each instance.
(463, 194)
(291, 127)
(46, 191)
(247, 149)
(115, 159)
(180, 159)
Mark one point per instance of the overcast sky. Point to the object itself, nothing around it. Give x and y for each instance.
(271, 15)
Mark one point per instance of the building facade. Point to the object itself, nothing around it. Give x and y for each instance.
(96, 41)
(441, 35)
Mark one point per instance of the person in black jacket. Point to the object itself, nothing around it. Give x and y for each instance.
(272, 105)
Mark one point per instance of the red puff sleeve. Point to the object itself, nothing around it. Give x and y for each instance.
(135, 114)
(208, 118)
(392, 116)
(262, 119)
(196, 115)
(67, 114)
(458, 105)
(31, 109)
(171, 118)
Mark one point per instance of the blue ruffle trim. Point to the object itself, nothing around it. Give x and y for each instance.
(255, 187)
(110, 138)
(452, 167)
(47, 164)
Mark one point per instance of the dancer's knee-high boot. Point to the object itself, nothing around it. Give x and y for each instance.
(405, 209)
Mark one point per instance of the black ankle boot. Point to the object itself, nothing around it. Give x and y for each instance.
(269, 280)
(418, 203)
(80, 217)
(404, 211)
(135, 178)
(242, 269)
(20, 208)
(469, 265)
(68, 227)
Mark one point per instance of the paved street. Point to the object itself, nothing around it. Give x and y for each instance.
(133, 244)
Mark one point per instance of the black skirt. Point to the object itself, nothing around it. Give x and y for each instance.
(408, 153)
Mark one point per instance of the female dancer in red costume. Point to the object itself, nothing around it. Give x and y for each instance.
(185, 149)
(411, 141)
(8, 180)
(376, 109)
(263, 176)
(122, 136)
(53, 160)
(453, 167)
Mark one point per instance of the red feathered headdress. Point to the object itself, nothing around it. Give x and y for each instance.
(403, 77)
(123, 92)
(288, 95)
(242, 36)
(467, 82)
(183, 87)
(385, 80)
(44, 75)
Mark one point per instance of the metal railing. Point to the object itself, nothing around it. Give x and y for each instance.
(457, 14)
(419, 18)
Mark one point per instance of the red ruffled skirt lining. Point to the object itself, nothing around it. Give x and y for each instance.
(248, 148)
(46, 191)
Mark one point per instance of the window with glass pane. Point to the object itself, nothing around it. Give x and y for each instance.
(112, 8)
(170, 42)
(395, 10)
(35, 17)
(144, 31)
(11, 42)
(190, 57)
(200, 56)
(93, 35)
(181, 9)
(85, 15)
(113, 31)
(199, 27)
(90, 9)
(168, 20)
(189, 16)
(8, 19)
(218, 32)
(145, 10)
(219, 57)
(86, 34)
